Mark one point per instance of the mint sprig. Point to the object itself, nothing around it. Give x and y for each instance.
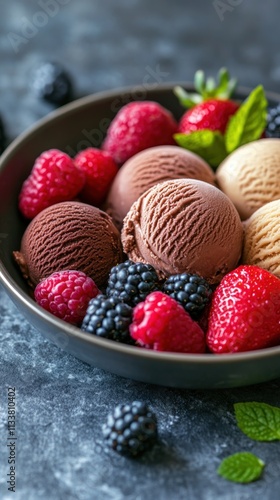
(258, 421)
(242, 467)
(245, 126)
(206, 143)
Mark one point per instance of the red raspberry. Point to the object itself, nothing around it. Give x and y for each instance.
(162, 324)
(66, 294)
(245, 311)
(100, 170)
(137, 126)
(54, 178)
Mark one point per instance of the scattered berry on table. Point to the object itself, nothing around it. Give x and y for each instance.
(245, 311)
(162, 324)
(273, 122)
(99, 169)
(52, 83)
(2, 136)
(131, 429)
(190, 290)
(54, 178)
(66, 294)
(109, 318)
(132, 282)
(137, 126)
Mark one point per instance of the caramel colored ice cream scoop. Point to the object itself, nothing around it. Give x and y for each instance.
(262, 238)
(250, 176)
(184, 225)
(69, 235)
(149, 167)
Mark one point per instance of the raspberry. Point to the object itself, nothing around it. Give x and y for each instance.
(54, 178)
(191, 291)
(132, 282)
(160, 323)
(100, 170)
(108, 318)
(131, 429)
(137, 126)
(52, 83)
(66, 294)
(245, 311)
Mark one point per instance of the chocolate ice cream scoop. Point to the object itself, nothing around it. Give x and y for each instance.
(184, 225)
(149, 167)
(69, 235)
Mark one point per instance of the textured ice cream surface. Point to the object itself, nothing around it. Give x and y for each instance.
(184, 225)
(250, 176)
(148, 168)
(262, 238)
(69, 235)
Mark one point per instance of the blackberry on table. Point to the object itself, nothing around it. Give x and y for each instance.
(190, 290)
(132, 282)
(273, 122)
(52, 83)
(108, 317)
(131, 429)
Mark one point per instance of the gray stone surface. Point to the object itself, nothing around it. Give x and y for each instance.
(61, 402)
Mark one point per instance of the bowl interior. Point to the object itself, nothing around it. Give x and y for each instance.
(76, 126)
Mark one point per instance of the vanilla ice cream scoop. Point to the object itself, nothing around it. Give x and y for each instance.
(262, 238)
(250, 176)
(184, 225)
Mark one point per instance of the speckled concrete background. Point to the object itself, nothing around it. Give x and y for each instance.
(61, 402)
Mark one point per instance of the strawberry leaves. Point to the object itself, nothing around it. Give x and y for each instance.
(246, 125)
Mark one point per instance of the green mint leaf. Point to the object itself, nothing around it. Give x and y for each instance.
(206, 143)
(249, 121)
(243, 467)
(258, 421)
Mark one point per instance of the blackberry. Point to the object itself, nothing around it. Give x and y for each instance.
(52, 83)
(273, 122)
(2, 136)
(190, 290)
(132, 282)
(109, 318)
(131, 429)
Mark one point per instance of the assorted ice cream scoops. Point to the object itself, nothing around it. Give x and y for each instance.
(167, 237)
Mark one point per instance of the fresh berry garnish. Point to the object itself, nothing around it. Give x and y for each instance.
(137, 126)
(52, 83)
(245, 311)
(162, 324)
(131, 429)
(190, 290)
(132, 282)
(2, 136)
(211, 107)
(54, 178)
(66, 294)
(273, 122)
(99, 169)
(109, 318)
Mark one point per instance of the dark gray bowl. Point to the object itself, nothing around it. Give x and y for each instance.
(76, 126)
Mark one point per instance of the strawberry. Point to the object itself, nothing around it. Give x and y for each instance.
(245, 311)
(211, 108)
(54, 178)
(99, 169)
(137, 126)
